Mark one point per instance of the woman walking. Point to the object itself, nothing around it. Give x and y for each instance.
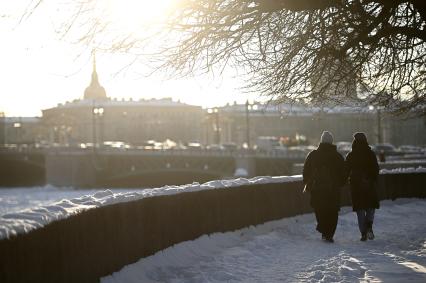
(363, 171)
(323, 174)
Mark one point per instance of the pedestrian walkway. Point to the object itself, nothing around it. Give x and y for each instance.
(290, 250)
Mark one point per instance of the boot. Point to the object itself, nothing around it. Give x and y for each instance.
(370, 234)
(327, 238)
(363, 237)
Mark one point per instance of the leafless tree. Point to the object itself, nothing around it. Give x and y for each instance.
(316, 51)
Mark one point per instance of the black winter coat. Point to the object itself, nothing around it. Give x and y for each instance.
(363, 169)
(325, 155)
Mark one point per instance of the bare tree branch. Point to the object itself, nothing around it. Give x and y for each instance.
(316, 51)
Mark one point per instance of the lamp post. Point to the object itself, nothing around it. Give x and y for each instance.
(55, 136)
(216, 127)
(101, 112)
(249, 107)
(216, 112)
(379, 126)
(17, 126)
(97, 112)
(379, 123)
(206, 124)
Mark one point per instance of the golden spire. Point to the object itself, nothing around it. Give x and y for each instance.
(94, 60)
(94, 90)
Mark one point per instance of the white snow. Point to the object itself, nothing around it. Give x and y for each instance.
(289, 250)
(241, 172)
(15, 222)
(24, 209)
(419, 169)
(19, 199)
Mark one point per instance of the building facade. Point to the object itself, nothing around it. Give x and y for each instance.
(97, 118)
(20, 130)
(134, 122)
(239, 123)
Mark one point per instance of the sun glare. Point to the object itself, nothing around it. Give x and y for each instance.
(132, 14)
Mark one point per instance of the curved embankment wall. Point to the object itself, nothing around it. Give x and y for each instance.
(97, 242)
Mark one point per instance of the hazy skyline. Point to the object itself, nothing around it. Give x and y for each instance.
(39, 70)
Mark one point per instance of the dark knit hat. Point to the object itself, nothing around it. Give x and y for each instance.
(360, 137)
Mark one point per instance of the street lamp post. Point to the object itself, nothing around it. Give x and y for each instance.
(249, 107)
(97, 112)
(17, 126)
(93, 128)
(379, 126)
(247, 124)
(101, 126)
(379, 123)
(216, 128)
(206, 124)
(216, 111)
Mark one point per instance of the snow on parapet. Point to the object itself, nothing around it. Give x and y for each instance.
(12, 224)
(419, 169)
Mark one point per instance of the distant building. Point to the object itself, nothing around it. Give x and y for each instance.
(403, 131)
(97, 118)
(117, 120)
(20, 130)
(238, 121)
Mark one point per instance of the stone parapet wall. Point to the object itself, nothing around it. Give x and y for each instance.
(97, 242)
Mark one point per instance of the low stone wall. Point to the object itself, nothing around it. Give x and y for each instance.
(98, 242)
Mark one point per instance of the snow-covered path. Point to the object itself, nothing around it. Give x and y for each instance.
(289, 250)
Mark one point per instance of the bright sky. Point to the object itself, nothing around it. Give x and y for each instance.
(38, 70)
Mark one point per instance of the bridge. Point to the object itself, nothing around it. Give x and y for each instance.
(22, 167)
(107, 167)
(136, 168)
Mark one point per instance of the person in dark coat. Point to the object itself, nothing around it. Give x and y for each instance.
(363, 170)
(323, 175)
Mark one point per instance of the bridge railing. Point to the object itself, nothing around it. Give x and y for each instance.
(58, 148)
(13, 148)
(181, 152)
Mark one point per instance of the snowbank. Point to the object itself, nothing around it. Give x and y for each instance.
(12, 224)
